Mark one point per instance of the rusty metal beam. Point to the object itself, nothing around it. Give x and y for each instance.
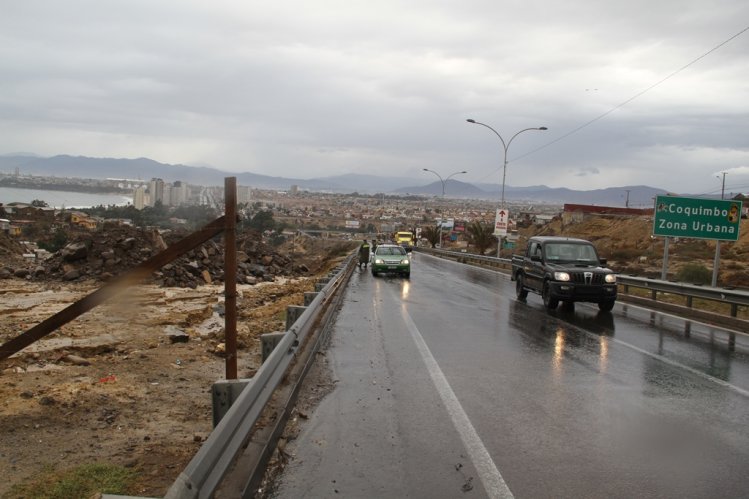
(230, 276)
(112, 288)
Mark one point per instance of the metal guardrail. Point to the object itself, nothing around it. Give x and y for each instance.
(735, 298)
(468, 257)
(205, 471)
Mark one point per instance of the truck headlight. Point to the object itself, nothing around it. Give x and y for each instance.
(379, 261)
(561, 276)
(404, 261)
(610, 278)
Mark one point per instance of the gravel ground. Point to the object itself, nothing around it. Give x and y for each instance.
(120, 384)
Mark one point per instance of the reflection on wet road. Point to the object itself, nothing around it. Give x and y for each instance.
(569, 403)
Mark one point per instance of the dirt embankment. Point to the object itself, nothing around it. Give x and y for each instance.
(129, 382)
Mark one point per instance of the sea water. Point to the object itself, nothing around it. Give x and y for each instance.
(62, 199)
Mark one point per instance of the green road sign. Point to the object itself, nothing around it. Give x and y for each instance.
(697, 218)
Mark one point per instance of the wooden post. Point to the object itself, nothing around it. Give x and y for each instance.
(230, 276)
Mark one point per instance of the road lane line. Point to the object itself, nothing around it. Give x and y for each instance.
(692, 370)
(488, 473)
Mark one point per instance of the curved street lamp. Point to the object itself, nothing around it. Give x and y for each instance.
(505, 147)
(443, 192)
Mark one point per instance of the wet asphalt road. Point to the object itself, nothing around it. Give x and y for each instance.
(449, 387)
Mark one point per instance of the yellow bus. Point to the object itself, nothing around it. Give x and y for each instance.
(405, 239)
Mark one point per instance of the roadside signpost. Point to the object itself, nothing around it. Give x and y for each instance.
(500, 224)
(698, 218)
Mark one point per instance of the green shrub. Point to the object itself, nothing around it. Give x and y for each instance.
(55, 243)
(694, 273)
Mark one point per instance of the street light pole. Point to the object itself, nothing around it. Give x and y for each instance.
(443, 193)
(716, 260)
(505, 147)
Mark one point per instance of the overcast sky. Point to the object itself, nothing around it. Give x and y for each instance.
(320, 88)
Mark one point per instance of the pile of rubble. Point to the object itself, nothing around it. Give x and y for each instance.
(10, 249)
(104, 254)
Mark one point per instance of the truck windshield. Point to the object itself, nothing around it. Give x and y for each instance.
(570, 253)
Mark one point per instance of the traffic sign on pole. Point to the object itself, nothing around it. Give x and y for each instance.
(500, 224)
(697, 218)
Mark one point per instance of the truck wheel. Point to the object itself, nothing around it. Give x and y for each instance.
(520, 291)
(549, 302)
(606, 306)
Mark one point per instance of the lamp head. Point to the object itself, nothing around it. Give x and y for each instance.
(469, 120)
(542, 128)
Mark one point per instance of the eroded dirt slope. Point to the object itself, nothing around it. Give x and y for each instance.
(128, 382)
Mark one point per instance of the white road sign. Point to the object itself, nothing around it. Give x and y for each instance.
(500, 224)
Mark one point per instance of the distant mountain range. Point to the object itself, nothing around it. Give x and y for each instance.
(144, 168)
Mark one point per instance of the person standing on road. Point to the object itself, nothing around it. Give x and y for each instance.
(364, 254)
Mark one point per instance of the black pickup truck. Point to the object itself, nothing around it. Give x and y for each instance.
(564, 269)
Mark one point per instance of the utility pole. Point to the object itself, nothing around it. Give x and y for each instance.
(716, 261)
(626, 202)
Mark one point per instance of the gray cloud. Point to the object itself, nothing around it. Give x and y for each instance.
(312, 89)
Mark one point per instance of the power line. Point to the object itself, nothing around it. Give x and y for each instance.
(731, 188)
(619, 106)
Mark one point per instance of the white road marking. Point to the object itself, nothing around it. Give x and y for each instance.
(674, 363)
(679, 365)
(488, 473)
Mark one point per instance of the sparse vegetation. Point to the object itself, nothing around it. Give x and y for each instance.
(82, 481)
(58, 240)
(694, 273)
(624, 254)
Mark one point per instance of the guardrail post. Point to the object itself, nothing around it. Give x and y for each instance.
(689, 301)
(734, 310)
(269, 341)
(654, 295)
(223, 395)
(293, 312)
(309, 296)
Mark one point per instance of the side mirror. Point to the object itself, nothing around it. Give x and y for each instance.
(603, 261)
(535, 258)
